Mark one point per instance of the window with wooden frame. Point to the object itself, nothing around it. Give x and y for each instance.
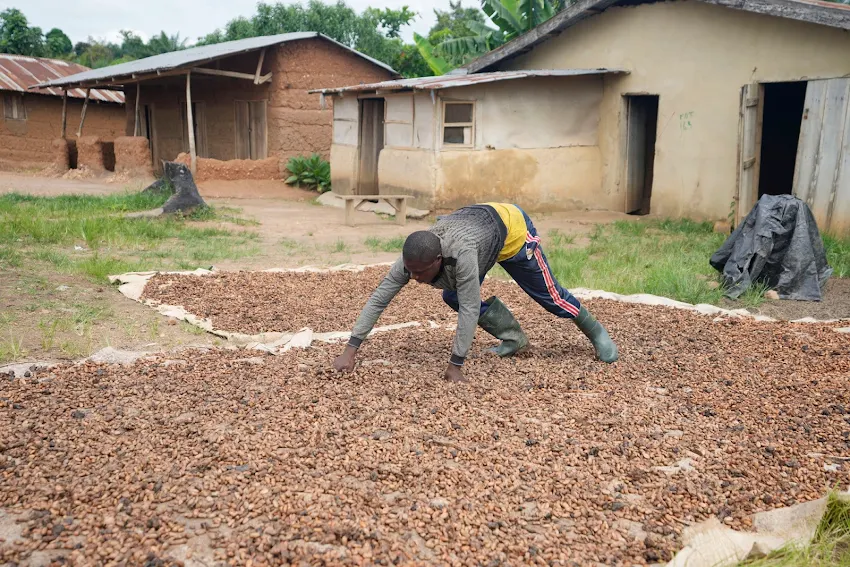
(458, 124)
(13, 107)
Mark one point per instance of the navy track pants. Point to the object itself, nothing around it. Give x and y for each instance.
(530, 269)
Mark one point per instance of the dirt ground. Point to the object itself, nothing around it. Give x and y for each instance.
(70, 317)
(835, 304)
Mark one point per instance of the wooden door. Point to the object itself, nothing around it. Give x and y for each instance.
(822, 170)
(748, 150)
(251, 129)
(371, 144)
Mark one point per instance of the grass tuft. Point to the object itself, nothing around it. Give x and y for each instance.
(375, 244)
(838, 255)
(829, 548)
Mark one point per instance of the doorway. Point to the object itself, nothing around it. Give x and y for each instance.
(641, 131)
(148, 130)
(251, 129)
(371, 144)
(782, 116)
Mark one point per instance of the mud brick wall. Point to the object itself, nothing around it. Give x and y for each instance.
(26, 144)
(133, 156)
(90, 153)
(61, 155)
(234, 169)
(296, 123)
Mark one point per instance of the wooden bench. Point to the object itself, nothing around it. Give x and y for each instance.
(354, 202)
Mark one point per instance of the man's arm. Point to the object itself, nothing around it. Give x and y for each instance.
(469, 301)
(396, 279)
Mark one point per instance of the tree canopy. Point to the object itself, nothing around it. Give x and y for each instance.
(373, 32)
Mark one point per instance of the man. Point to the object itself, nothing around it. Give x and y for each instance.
(454, 255)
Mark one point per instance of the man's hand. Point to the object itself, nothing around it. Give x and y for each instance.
(345, 361)
(454, 374)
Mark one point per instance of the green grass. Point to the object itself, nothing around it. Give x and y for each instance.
(11, 348)
(830, 546)
(667, 258)
(49, 230)
(558, 238)
(376, 244)
(838, 255)
(192, 329)
(339, 247)
(290, 244)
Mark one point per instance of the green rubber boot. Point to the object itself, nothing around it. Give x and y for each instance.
(500, 322)
(606, 350)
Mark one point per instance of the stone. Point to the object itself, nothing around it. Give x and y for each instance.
(634, 529)
(110, 355)
(772, 295)
(381, 434)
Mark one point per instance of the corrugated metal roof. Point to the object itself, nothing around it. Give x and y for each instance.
(193, 56)
(456, 81)
(19, 72)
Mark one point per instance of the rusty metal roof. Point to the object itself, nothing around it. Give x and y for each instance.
(19, 72)
(188, 58)
(453, 81)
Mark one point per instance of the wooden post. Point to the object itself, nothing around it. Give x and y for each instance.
(349, 212)
(83, 115)
(64, 112)
(189, 122)
(259, 66)
(136, 124)
(401, 212)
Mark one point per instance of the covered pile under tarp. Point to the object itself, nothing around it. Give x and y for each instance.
(778, 244)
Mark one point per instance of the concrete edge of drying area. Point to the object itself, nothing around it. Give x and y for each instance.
(132, 285)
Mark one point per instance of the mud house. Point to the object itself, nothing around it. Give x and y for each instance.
(32, 119)
(247, 102)
(689, 108)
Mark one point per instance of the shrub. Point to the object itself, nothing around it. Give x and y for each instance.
(313, 172)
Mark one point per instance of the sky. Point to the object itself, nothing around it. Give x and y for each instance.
(103, 19)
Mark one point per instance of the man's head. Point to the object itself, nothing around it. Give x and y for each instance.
(423, 255)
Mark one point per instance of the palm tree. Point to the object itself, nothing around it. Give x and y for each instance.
(512, 19)
(163, 43)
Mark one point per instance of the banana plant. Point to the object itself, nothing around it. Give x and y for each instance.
(516, 17)
(437, 64)
(512, 18)
(484, 39)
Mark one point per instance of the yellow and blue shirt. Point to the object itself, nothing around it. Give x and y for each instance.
(514, 221)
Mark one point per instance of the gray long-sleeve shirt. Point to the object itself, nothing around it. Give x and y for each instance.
(471, 239)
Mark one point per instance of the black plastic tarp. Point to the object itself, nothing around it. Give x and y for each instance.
(779, 245)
